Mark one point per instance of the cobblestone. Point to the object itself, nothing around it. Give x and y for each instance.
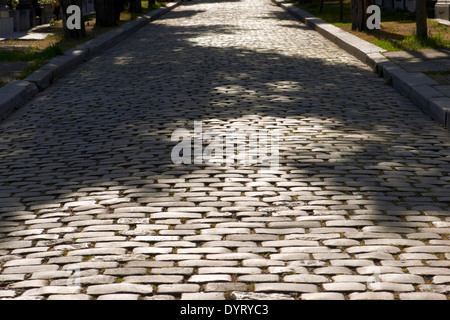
(323, 296)
(371, 296)
(114, 288)
(422, 296)
(357, 209)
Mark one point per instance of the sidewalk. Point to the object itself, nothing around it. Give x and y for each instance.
(404, 70)
(435, 61)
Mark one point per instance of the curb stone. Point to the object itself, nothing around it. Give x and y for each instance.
(16, 93)
(416, 86)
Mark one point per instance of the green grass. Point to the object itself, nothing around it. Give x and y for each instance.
(397, 32)
(128, 16)
(31, 54)
(412, 42)
(443, 77)
(330, 12)
(38, 58)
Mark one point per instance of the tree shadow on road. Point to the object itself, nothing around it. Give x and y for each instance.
(103, 131)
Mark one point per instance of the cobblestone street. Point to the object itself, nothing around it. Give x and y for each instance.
(93, 207)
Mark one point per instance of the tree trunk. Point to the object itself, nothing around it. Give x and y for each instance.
(321, 6)
(341, 10)
(421, 19)
(119, 6)
(359, 14)
(104, 13)
(135, 6)
(74, 33)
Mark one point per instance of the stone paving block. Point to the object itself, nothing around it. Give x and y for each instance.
(441, 279)
(154, 279)
(332, 270)
(351, 263)
(201, 278)
(90, 265)
(30, 269)
(434, 288)
(210, 263)
(48, 290)
(92, 279)
(285, 287)
(22, 262)
(371, 296)
(12, 277)
(259, 278)
(7, 293)
(177, 257)
(120, 297)
(344, 286)
(387, 249)
(51, 274)
(290, 256)
(203, 296)
(173, 270)
(15, 244)
(233, 256)
(229, 270)
(30, 284)
(350, 278)
(178, 288)
(429, 271)
(306, 278)
(113, 288)
(152, 250)
(422, 296)
(159, 297)
(433, 249)
(388, 286)
(322, 296)
(77, 297)
(125, 271)
(374, 270)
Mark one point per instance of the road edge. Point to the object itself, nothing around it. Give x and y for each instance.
(16, 93)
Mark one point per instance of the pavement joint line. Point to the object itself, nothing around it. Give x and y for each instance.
(372, 55)
(16, 93)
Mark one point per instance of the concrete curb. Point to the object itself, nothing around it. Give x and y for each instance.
(415, 86)
(16, 93)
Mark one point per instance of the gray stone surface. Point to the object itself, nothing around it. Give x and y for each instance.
(14, 96)
(92, 206)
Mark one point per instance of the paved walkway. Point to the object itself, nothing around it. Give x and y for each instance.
(92, 205)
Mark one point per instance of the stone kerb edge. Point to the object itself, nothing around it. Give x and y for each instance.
(421, 93)
(18, 92)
